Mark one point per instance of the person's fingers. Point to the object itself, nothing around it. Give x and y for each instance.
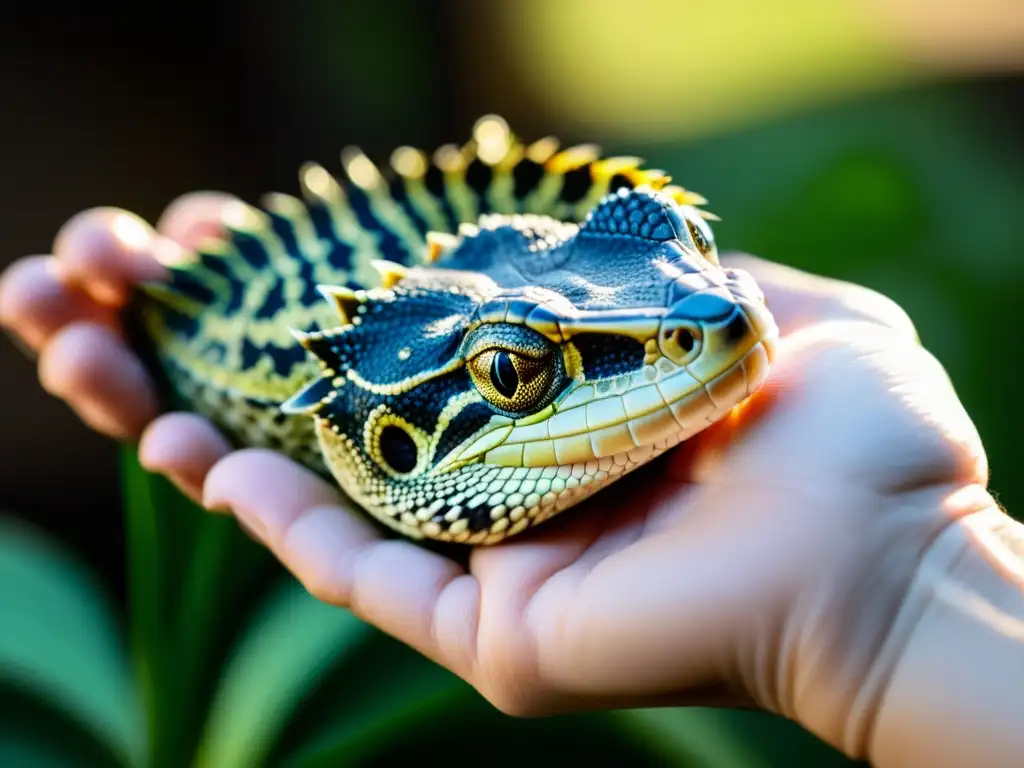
(195, 216)
(66, 304)
(417, 596)
(91, 368)
(183, 447)
(108, 250)
(35, 304)
(798, 299)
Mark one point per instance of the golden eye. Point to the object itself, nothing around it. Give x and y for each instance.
(701, 235)
(510, 381)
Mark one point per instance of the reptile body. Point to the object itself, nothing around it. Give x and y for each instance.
(469, 343)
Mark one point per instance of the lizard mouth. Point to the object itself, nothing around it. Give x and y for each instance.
(632, 417)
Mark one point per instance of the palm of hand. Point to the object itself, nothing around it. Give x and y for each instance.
(710, 570)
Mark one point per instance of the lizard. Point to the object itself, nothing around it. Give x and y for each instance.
(469, 342)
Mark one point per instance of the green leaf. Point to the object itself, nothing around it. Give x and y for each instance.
(61, 642)
(418, 713)
(776, 740)
(35, 734)
(728, 738)
(696, 736)
(388, 705)
(279, 661)
(149, 581)
(189, 575)
(399, 700)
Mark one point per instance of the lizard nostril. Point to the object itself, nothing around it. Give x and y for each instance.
(683, 339)
(678, 344)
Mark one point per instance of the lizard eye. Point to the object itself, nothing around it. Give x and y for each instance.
(702, 237)
(512, 382)
(515, 369)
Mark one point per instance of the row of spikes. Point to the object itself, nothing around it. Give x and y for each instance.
(492, 143)
(495, 145)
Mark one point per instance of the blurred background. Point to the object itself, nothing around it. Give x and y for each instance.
(879, 141)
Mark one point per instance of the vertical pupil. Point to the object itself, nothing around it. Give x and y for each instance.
(503, 374)
(698, 238)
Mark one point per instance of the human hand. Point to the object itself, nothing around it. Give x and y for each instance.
(762, 563)
(64, 308)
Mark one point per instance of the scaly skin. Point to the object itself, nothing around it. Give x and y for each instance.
(472, 345)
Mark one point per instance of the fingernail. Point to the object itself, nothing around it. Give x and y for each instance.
(132, 231)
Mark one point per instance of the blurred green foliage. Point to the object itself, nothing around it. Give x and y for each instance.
(224, 661)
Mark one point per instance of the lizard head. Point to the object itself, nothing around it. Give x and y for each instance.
(532, 363)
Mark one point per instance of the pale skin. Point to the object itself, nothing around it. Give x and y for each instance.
(797, 557)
